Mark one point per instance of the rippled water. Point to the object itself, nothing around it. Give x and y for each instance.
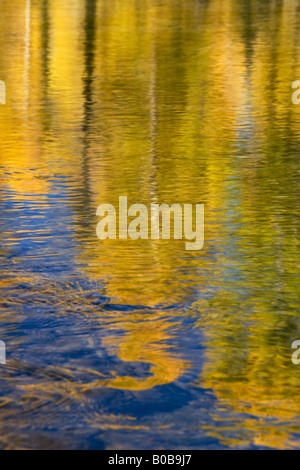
(125, 344)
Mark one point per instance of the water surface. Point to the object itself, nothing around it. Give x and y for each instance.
(141, 344)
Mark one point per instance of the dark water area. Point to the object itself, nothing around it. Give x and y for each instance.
(123, 344)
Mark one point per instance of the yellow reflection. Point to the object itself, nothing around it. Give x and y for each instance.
(170, 102)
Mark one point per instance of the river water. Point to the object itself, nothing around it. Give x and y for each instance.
(123, 344)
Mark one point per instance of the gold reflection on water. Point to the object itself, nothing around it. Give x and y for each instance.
(144, 339)
(170, 102)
